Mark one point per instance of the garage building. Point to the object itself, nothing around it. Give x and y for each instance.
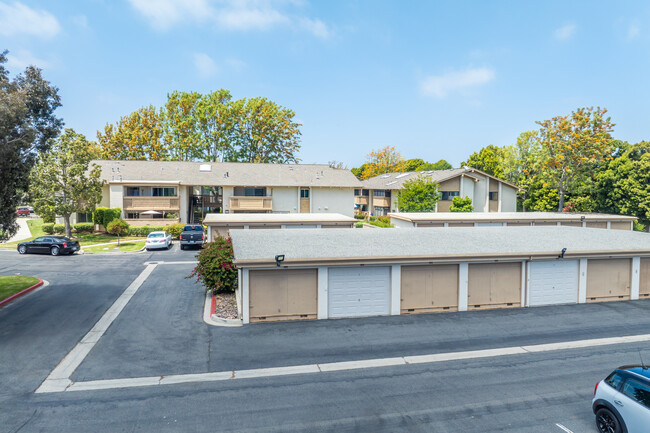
(221, 224)
(510, 219)
(306, 274)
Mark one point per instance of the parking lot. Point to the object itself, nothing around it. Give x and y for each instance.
(160, 332)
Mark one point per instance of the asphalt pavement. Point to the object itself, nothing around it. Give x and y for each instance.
(160, 332)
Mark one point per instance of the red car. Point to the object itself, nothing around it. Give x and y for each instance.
(22, 210)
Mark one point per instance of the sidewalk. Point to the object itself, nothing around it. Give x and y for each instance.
(23, 230)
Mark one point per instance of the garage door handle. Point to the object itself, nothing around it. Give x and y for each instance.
(618, 402)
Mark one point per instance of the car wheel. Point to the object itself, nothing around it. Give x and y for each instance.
(22, 249)
(607, 422)
(182, 247)
(169, 246)
(55, 251)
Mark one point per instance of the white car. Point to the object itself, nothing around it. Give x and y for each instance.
(622, 401)
(158, 240)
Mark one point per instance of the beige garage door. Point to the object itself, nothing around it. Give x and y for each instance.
(494, 285)
(429, 288)
(620, 225)
(608, 279)
(644, 281)
(283, 294)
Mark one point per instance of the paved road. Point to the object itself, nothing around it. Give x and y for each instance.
(160, 332)
(23, 230)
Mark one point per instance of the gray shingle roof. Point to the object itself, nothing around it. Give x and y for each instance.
(227, 218)
(394, 181)
(507, 216)
(227, 173)
(314, 244)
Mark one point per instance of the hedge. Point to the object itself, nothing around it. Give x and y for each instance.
(84, 227)
(103, 215)
(59, 228)
(48, 228)
(174, 229)
(144, 231)
(215, 268)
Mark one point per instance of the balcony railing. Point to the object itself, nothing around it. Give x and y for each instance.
(151, 203)
(361, 199)
(381, 201)
(241, 203)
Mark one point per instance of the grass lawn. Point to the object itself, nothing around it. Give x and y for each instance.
(124, 246)
(36, 228)
(11, 285)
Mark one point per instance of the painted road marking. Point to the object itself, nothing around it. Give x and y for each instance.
(66, 385)
(59, 378)
(564, 428)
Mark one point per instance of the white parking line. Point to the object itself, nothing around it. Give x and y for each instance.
(67, 385)
(59, 378)
(564, 428)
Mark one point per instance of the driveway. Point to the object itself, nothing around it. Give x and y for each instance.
(159, 332)
(23, 230)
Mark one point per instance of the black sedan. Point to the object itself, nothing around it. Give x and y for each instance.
(54, 245)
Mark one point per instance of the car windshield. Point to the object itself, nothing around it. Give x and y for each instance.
(156, 235)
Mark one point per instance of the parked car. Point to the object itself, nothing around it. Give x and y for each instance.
(23, 211)
(158, 240)
(622, 401)
(192, 234)
(54, 245)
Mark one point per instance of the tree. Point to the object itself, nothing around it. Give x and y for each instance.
(411, 165)
(27, 123)
(215, 121)
(440, 165)
(459, 204)
(386, 160)
(181, 127)
(488, 160)
(338, 165)
(572, 146)
(418, 195)
(118, 227)
(520, 165)
(623, 186)
(64, 178)
(135, 136)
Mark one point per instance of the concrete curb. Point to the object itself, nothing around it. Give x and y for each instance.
(212, 319)
(21, 293)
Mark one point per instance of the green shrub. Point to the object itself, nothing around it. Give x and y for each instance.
(118, 227)
(59, 228)
(639, 227)
(103, 215)
(215, 269)
(359, 216)
(384, 219)
(48, 217)
(175, 229)
(48, 228)
(461, 204)
(171, 215)
(144, 231)
(358, 225)
(84, 227)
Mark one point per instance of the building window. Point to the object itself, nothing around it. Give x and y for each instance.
(448, 195)
(133, 191)
(254, 192)
(163, 192)
(304, 193)
(494, 196)
(365, 192)
(132, 215)
(357, 192)
(84, 217)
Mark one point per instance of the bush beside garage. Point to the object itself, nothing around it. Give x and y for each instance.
(321, 274)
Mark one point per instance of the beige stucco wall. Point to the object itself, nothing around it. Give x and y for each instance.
(106, 196)
(508, 199)
(228, 191)
(333, 200)
(183, 198)
(480, 193)
(117, 197)
(468, 186)
(285, 199)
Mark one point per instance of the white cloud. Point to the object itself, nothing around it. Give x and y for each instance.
(205, 66)
(440, 86)
(633, 31)
(18, 19)
(242, 15)
(565, 32)
(19, 60)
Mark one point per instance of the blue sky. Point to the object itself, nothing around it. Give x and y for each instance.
(437, 80)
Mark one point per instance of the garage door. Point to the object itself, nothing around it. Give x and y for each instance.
(608, 279)
(286, 294)
(494, 285)
(429, 288)
(358, 292)
(553, 282)
(644, 280)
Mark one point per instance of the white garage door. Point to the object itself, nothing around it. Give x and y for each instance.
(359, 292)
(553, 282)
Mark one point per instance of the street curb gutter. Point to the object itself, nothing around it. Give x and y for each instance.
(212, 319)
(21, 293)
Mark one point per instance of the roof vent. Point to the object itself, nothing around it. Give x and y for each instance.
(391, 183)
(386, 176)
(205, 167)
(402, 175)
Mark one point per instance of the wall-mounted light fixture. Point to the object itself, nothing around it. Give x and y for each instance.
(561, 256)
(280, 258)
